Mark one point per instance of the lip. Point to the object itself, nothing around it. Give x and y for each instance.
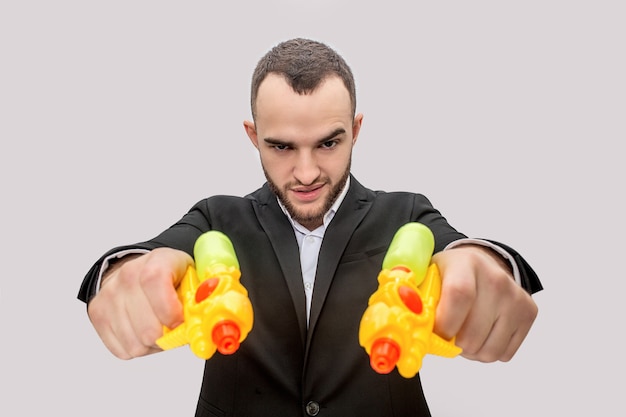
(308, 194)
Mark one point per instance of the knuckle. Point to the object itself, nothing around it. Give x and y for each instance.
(470, 349)
(499, 282)
(469, 344)
(461, 290)
(534, 310)
(124, 277)
(525, 309)
(123, 355)
(137, 350)
(149, 335)
(482, 355)
(150, 274)
(530, 314)
(96, 312)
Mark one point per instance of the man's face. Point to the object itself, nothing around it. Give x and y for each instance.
(305, 144)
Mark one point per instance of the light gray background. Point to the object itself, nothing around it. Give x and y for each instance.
(117, 116)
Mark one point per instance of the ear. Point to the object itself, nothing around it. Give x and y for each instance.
(356, 127)
(251, 132)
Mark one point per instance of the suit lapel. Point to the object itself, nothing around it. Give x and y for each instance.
(351, 212)
(282, 237)
(283, 240)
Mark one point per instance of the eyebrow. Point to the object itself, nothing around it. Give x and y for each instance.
(330, 136)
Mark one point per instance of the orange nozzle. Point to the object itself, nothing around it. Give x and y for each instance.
(226, 337)
(385, 355)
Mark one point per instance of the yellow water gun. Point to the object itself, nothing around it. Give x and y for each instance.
(397, 326)
(218, 313)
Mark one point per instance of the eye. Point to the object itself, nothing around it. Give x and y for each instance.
(329, 144)
(280, 147)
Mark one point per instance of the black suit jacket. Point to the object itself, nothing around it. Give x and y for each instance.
(284, 367)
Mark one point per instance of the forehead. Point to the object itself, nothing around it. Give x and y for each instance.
(277, 102)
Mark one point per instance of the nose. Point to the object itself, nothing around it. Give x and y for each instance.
(306, 170)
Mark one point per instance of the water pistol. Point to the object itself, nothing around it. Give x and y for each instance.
(217, 311)
(397, 327)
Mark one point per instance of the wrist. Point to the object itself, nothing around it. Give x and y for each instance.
(499, 254)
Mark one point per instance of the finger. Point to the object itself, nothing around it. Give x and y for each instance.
(128, 325)
(507, 330)
(161, 273)
(102, 326)
(112, 324)
(480, 324)
(500, 344)
(144, 328)
(514, 344)
(525, 318)
(458, 292)
(484, 348)
(126, 339)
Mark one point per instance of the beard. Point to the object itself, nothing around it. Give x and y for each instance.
(309, 217)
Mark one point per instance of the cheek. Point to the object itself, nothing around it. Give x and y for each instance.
(276, 167)
(336, 166)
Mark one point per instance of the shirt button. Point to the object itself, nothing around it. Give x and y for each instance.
(312, 408)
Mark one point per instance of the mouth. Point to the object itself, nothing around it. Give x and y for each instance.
(309, 193)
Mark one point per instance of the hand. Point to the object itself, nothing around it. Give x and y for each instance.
(137, 297)
(481, 304)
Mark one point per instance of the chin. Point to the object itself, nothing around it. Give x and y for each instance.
(307, 216)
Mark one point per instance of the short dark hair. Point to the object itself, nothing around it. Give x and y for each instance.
(305, 64)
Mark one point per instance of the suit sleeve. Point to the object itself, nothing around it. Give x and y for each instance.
(445, 235)
(529, 279)
(181, 235)
(88, 288)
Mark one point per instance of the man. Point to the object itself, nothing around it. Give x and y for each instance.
(310, 244)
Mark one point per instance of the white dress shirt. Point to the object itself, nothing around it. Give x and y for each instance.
(310, 243)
